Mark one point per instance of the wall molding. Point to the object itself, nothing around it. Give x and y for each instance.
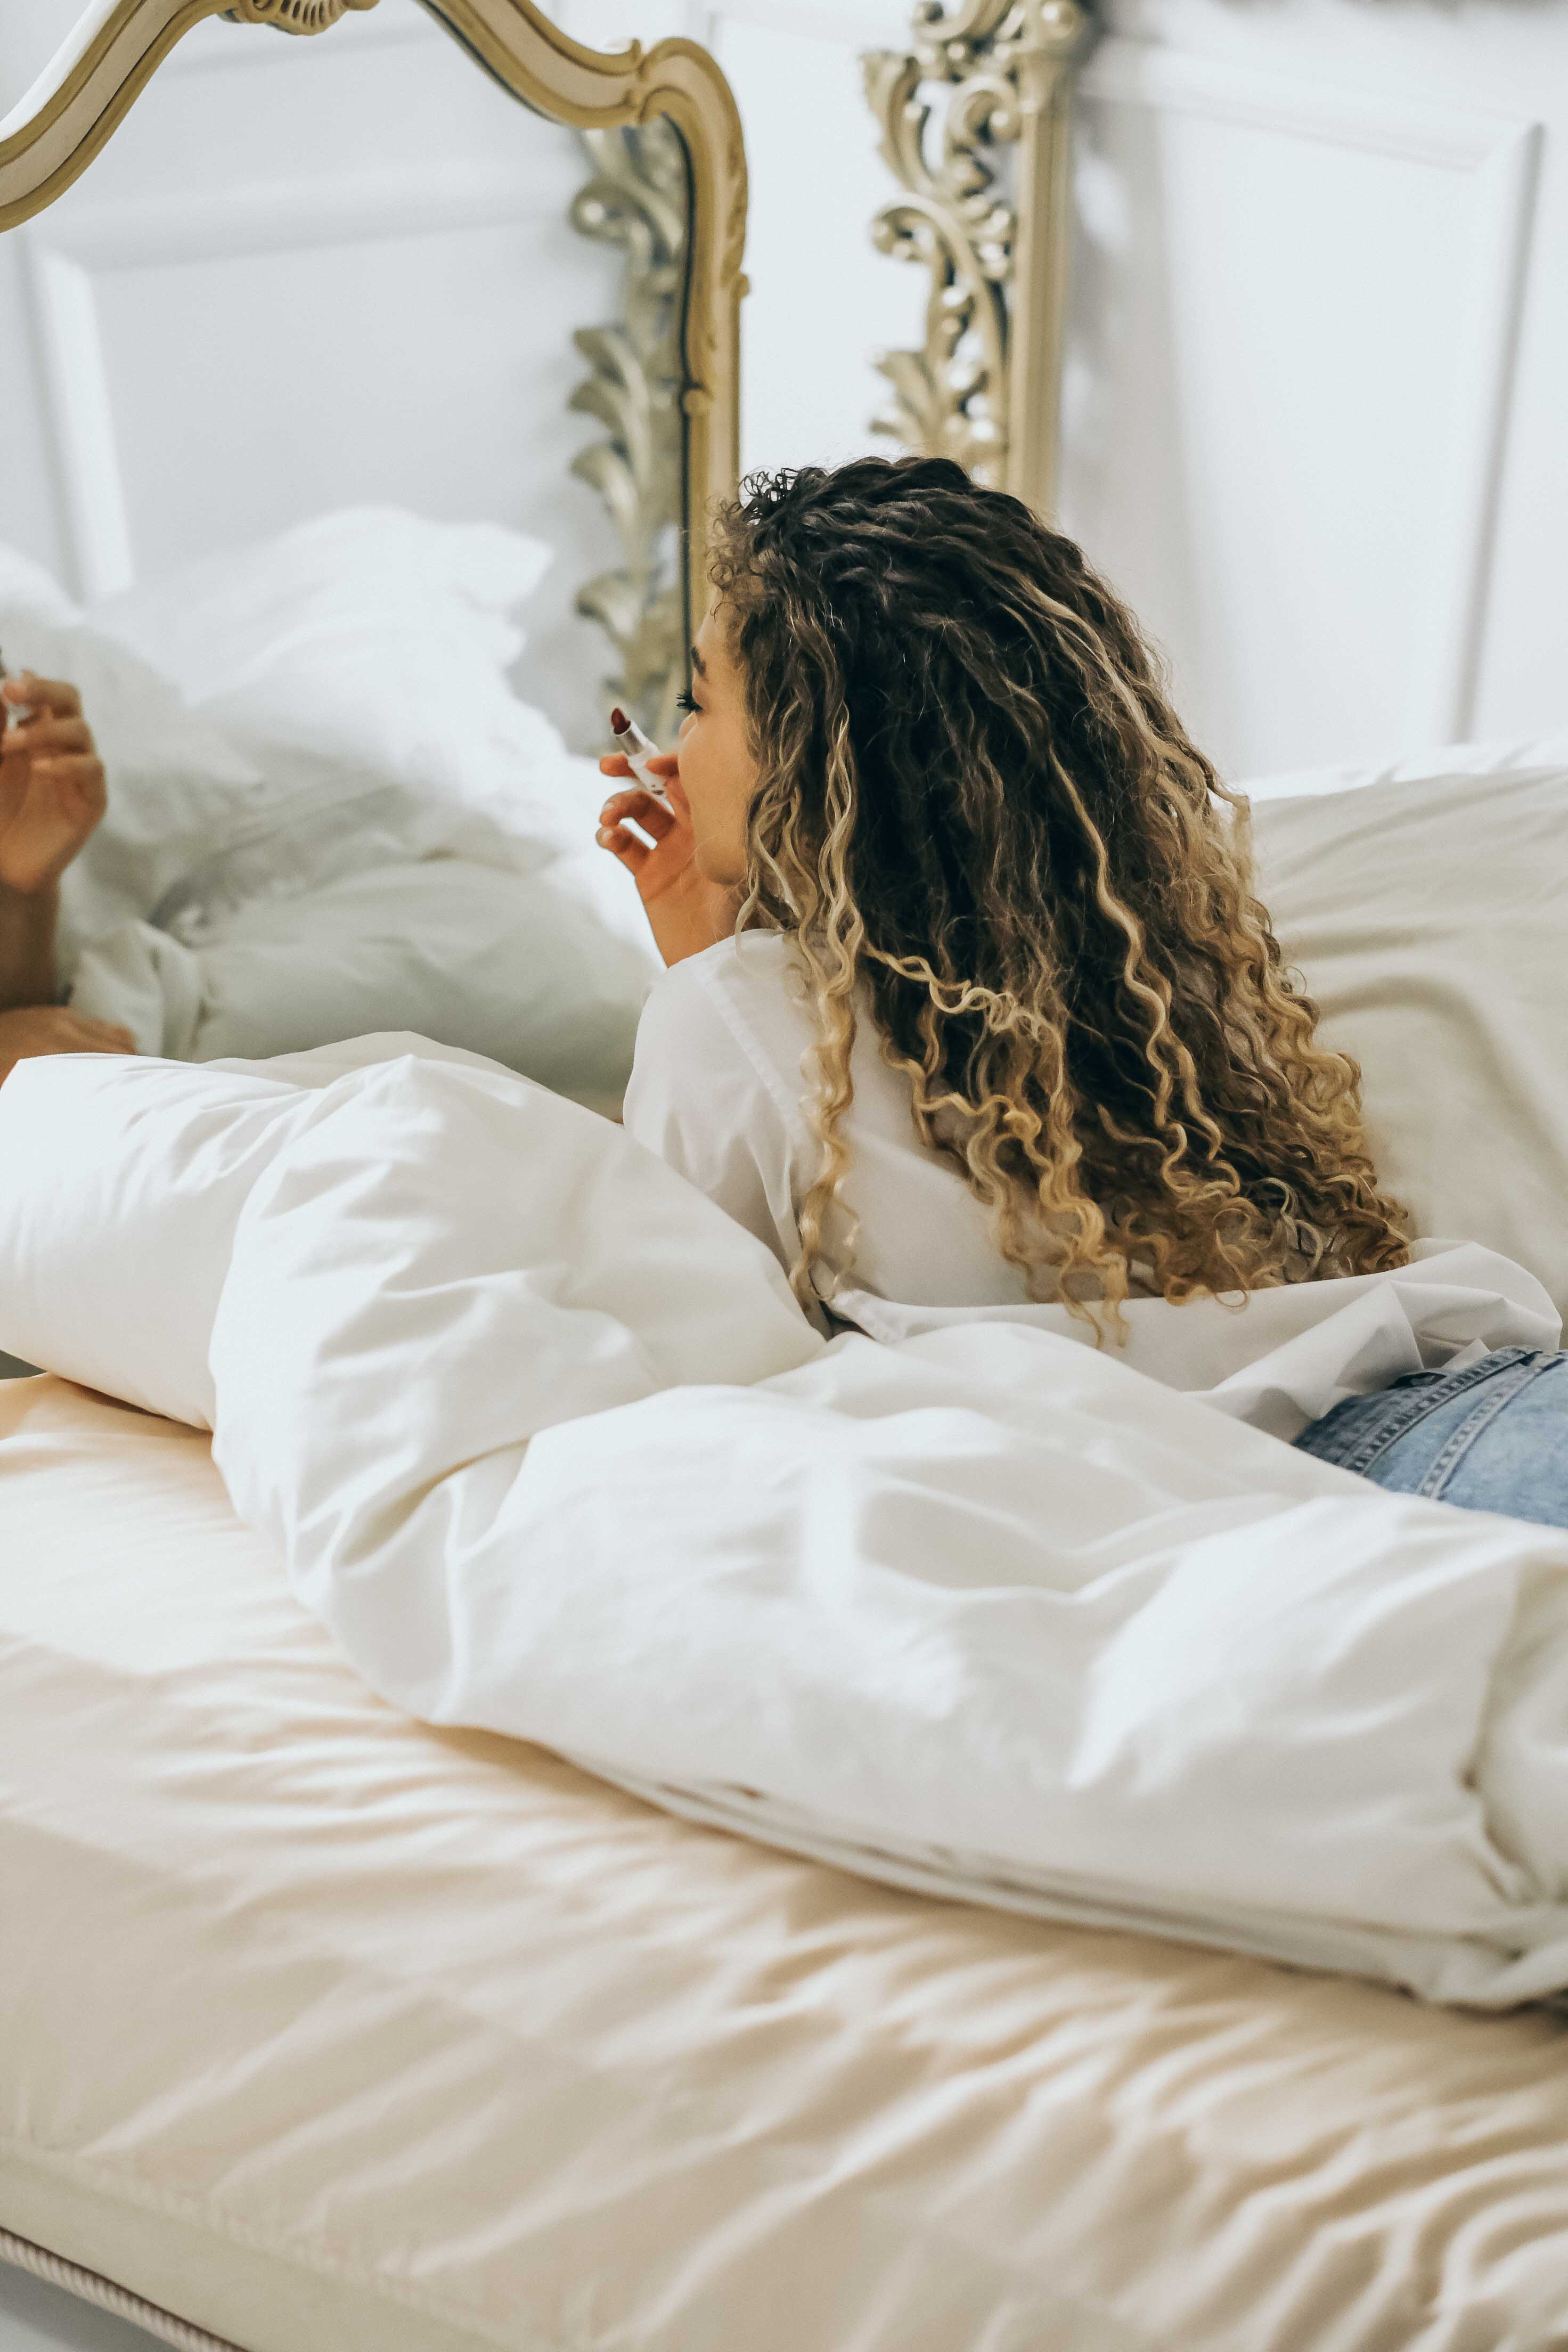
(81, 418)
(1501, 157)
(314, 209)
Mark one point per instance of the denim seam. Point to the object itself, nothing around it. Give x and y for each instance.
(1425, 1401)
(1486, 1407)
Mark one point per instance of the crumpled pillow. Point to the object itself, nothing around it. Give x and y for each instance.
(378, 643)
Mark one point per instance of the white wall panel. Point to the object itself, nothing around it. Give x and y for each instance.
(1292, 345)
(1318, 364)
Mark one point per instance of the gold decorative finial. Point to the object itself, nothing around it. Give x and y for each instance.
(293, 15)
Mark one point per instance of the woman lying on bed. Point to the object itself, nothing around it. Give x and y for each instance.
(937, 840)
(51, 798)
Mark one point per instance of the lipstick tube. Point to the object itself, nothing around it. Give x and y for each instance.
(636, 748)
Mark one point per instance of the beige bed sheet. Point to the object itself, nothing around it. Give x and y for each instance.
(333, 2033)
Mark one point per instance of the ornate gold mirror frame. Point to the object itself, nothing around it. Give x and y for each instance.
(635, 201)
(118, 45)
(985, 209)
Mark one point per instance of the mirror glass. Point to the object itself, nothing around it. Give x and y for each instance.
(31, 31)
(341, 476)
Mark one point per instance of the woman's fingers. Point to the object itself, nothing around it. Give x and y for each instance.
(633, 854)
(42, 739)
(92, 1036)
(79, 778)
(52, 694)
(78, 1032)
(616, 763)
(678, 800)
(638, 808)
(30, 1030)
(109, 1037)
(78, 789)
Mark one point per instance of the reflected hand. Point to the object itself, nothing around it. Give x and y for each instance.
(52, 787)
(35, 1029)
(685, 912)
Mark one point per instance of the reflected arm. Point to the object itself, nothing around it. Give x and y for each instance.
(27, 922)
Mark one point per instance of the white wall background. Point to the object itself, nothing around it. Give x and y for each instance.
(1318, 369)
(1320, 363)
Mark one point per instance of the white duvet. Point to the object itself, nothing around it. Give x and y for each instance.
(544, 1441)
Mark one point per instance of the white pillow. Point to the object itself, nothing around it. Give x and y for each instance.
(375, 641)
(1430, 920)
(500, 963)
(1510, 755)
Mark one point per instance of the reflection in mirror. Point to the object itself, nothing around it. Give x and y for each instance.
(31, 32)
(312, 503)
(637, 199)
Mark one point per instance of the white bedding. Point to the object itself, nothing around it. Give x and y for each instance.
(329, 811)
(479, 957)
(419, 2041)
(548, 1447)
(1430, 919)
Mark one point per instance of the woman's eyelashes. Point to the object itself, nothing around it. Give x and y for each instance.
(686, 702)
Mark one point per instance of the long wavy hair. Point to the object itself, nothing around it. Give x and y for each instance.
(979, 818)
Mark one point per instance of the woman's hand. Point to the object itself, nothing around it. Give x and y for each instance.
(35, 1029)
(52, 788)
(685, 912)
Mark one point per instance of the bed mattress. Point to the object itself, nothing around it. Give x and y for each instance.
(332, 2032)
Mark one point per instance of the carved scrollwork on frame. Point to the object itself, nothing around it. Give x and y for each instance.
(293, 15)
(984, 211)
(637, 200)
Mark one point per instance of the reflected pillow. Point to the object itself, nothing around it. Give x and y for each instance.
(378, 643)
(1430, 919)
(501, 963)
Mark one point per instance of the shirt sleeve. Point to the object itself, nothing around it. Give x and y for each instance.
(697, 1099)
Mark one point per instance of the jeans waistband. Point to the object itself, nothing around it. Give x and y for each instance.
(1359, 1429)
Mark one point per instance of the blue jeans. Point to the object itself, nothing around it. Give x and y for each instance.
(1492, 1438)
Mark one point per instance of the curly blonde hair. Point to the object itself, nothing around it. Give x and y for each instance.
(978, 815)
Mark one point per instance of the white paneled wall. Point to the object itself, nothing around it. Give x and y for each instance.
(1320, 365)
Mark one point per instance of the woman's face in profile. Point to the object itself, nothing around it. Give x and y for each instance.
(718, 772)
